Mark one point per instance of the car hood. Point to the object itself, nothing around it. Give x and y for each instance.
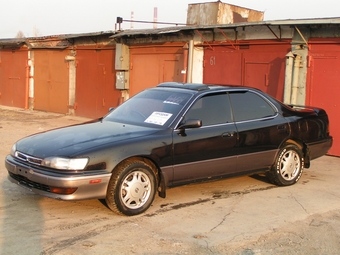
(76, 140)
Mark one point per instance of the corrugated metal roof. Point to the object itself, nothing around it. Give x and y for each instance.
(52, 41)
(46, 41)
(169, 30)
(71, 36)
(17, 42)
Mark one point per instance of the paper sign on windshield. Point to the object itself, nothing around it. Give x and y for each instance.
(158, 118)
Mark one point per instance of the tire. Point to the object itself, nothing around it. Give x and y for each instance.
(132, 188)
(288, 166)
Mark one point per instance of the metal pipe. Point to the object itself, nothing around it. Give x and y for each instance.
(152, 22)
(27, 84)
(29, 87)
(295, 86)
(31, 83)
(288, 78)
(190, 61)
(71, 60)
(184, 72)
(303, 38)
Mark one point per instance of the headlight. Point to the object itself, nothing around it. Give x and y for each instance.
(65, 163)
(13, 149)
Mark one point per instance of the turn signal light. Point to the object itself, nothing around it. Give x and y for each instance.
(63, 191)
(95, 181)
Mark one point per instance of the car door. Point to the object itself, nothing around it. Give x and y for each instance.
(210, 150)
(261, 130)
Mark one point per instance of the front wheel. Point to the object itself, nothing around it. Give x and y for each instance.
(288, 166)
(132, 188)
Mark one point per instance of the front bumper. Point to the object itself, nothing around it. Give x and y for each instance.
(88, 186)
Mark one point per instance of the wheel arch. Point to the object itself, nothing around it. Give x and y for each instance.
(160, 181)
(303, 147)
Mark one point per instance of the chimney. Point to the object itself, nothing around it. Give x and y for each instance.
(132, 17)
(220, 13)
(155, 17)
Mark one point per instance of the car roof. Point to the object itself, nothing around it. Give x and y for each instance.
(199, 87)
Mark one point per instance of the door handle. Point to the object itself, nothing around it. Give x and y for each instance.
(282, 127)
(228, 134)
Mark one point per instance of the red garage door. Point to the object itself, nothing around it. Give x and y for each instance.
(96, 82)
(259, 64)
(13, 87)
(152, 65)
(51, 81)
(323, 87)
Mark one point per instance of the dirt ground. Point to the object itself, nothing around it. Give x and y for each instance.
(243, 215)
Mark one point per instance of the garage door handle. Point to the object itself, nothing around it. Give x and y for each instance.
(228, 134)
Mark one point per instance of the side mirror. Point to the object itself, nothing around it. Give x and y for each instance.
(190, 123)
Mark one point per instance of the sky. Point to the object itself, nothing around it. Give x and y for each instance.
(49, 17)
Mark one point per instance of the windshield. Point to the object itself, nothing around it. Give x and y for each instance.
(154, 108)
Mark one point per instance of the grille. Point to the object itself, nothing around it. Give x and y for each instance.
(27, 183)
(27, 158)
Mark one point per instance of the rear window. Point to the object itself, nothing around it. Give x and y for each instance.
(249, 106)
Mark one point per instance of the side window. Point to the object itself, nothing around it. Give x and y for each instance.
(211, 109)
(249, 106)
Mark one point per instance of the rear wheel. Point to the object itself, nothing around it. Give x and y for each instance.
(132, 188)
(288, 166)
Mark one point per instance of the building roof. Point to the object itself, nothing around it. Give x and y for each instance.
(169, 30)
(53, 41)
(60, 41)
